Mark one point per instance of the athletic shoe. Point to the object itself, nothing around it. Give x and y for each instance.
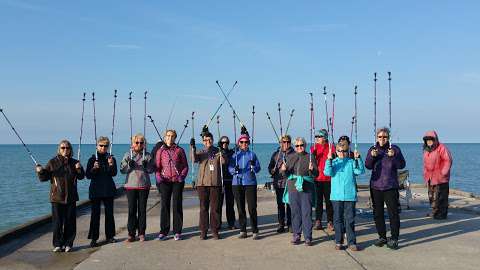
(161, 237)
(177, 237)
(255, 236)
(130, 239)
(318, 225)
(354, 248)
(380, 242)
(295, 239)
(280, 229)
(330, 226)
(338, 247)
(57, 249)
(308, 242)
(392, 244)
(68, 249)
(93, 243)
(242, 235)
(141, 238)
(111, 240)
(216, 236)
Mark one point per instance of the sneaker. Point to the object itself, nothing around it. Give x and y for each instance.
(141, 238)
(380, 242)
(338, 247)
(216, 236)
(177, 237)
(255, 236)
(318, 225)
(280, 229)
(295, 239)
(308, 242)
(130, 239)
(330, 226)
(242, 235)
(111, 240)
(57, 249)
(392, 244)
(354, 248)
(68, 249)
(93, 243)
(161, 237)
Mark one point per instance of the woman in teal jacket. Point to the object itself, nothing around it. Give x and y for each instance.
(343, 171)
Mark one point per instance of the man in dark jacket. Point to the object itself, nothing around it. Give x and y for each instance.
(384, 159)
(278, 158)
(227, 192)
(100, 170)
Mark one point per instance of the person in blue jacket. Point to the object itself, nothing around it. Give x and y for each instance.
(343, 196)
(243, 166)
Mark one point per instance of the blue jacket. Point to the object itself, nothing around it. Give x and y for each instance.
(344, 183)
(245, 175)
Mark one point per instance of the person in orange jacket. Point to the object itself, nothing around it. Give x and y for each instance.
(437, 162)
(322, 181)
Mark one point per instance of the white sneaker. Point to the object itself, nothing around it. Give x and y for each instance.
(67, 249)
(57, 249)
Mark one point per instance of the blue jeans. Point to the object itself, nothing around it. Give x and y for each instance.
(301, 206)
(344, 221)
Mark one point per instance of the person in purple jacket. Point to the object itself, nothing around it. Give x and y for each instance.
(384, 159)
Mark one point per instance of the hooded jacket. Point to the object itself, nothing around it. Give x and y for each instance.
(384, 168)
(245, 175)
(344, 182)
(171, 164)
(320, 151)
(437, 161)
(63, 178)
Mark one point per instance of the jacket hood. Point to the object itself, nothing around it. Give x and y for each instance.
(431, 133)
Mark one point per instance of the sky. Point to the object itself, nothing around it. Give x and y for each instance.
(278, 51)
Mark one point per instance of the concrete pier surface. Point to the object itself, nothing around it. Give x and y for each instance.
(425, 243)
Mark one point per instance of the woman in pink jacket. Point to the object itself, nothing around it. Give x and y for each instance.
(437, 162)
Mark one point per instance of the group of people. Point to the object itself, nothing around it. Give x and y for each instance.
(302, 180)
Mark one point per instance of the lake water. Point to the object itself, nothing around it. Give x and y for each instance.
(23, 197)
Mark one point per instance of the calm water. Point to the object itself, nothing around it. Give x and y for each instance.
(23, 197)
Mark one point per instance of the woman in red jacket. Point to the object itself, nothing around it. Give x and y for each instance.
(437, 162)
(322, 182)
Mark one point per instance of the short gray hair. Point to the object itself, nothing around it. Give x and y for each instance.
(301, 139)
(385, 130)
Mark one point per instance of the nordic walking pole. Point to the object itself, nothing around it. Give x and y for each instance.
(131, 123)
(230, 104)
(218, 127)
(351, 129)
(155, 127)
(235, 137)
(333, 116)
(280, 119)
(183, 131)
(326, 108)
(170, 114)
(289, 120)
(312, 125)
(113, 120)
(273, 127)
(356, 119)
(193, 137)
(94, 124)
(81, 127)
(16, 133)
(390, 108)
(220, 152)
(220, 106)
(374, 109)
(144, 120)
(253, 125)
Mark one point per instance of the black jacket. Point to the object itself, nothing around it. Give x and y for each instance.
(101, 184)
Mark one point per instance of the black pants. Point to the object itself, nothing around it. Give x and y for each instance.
(137, 211)
(171, 193)
(438, 197)
(93, 233)
(209, 211)
(249, 194)
(390, 198)
(229, 204)
(323, 192)
(282, 208)
(64, 224)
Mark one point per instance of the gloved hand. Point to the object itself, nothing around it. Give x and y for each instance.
(237, 169)
(204, 131)
(132, 164)
(144, 164)
(251, 163)
(243, 130)
(192, 142)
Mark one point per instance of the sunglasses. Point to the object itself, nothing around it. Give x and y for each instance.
(65, 147)
(382, 137)
(429, 139)
(207, 140)
(342, 151)
(244, 142)
(141, 143)
(317, 137)
(224, 142)
(102, 145)
(300, 145)
(286, 142)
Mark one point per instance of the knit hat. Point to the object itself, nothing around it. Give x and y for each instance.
(243, 137)
(322, 133)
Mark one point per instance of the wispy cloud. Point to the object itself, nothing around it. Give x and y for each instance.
(124, 46)
(318, 28)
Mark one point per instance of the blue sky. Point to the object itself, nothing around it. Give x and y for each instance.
(53, 51)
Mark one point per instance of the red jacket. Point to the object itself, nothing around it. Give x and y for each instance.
(436, 162)
(321, 152)
(171, 163)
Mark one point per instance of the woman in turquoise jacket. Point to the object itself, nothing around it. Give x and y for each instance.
(343, 171)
